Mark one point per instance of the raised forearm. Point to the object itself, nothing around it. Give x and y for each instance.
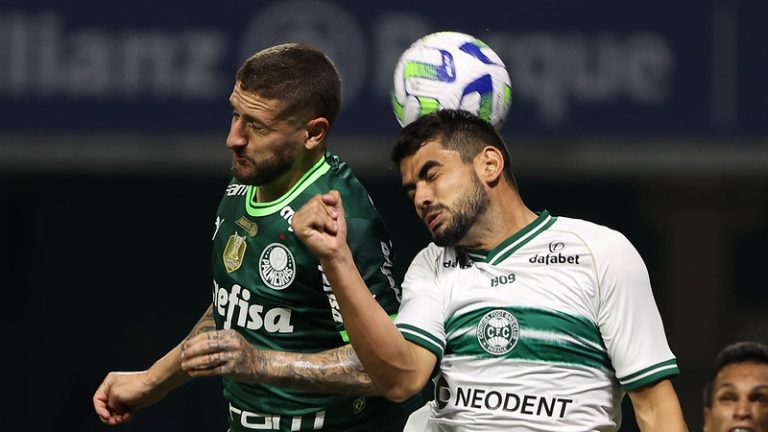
(382, 349)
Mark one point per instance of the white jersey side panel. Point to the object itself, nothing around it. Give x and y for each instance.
(534, 334)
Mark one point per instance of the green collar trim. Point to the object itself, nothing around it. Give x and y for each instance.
(258, 209)
(515, 242)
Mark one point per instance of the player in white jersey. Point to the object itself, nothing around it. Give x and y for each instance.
(526, 321)
(536, 332)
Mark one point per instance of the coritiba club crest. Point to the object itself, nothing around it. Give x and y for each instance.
(498, 332)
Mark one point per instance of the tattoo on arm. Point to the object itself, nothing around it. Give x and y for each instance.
(333, 371)
(206, 324)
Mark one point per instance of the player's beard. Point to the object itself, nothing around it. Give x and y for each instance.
(464, 214)
(254, 173)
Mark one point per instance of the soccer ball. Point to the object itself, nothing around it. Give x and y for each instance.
(451, 70)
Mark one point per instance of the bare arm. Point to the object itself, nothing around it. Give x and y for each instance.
(122, 393)
(397, 367)
(227, 353)
(657, 408)
(166, 373)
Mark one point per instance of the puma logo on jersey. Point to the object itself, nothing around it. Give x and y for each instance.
(219, 221)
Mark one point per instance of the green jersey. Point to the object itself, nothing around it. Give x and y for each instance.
(271, 288)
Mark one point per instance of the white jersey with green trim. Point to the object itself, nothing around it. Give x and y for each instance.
(545, 332)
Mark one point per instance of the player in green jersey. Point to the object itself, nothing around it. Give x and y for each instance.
(274, 330)
(527, 321)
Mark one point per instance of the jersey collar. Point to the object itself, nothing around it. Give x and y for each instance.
(257, 209)
(515, 242)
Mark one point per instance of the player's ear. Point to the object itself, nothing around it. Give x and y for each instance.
(489, 165)
(317, 130)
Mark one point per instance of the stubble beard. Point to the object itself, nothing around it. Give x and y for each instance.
(257, 174)
(465, 214)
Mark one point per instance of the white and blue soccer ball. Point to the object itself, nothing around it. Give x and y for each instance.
(451, 70)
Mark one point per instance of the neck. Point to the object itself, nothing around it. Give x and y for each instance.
(279, 187)
(505, 216)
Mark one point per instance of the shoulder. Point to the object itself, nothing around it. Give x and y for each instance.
(357, 201)
(431, 258)
(599, 239)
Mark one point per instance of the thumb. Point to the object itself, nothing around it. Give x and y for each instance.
(333, 200)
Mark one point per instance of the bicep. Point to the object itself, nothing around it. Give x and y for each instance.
(424, 362)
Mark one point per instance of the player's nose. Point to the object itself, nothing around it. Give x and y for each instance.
(236, 137)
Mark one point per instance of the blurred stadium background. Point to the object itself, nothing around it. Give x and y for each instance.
(650, 117)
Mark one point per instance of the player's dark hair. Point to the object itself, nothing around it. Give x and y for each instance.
(457, 130)
(739, 352)
(300, 76)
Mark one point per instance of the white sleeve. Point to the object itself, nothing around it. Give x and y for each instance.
(628, 317)
(421, 316)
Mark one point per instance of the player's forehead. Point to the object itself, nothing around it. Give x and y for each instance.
(744, 375)
(251, 103)
(431, 153)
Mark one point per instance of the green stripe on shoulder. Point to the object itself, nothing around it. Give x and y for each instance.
(423, 339)
(650, 375)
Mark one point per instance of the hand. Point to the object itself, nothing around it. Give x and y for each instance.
(321, 225)
(121, 394)
(222, 353)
